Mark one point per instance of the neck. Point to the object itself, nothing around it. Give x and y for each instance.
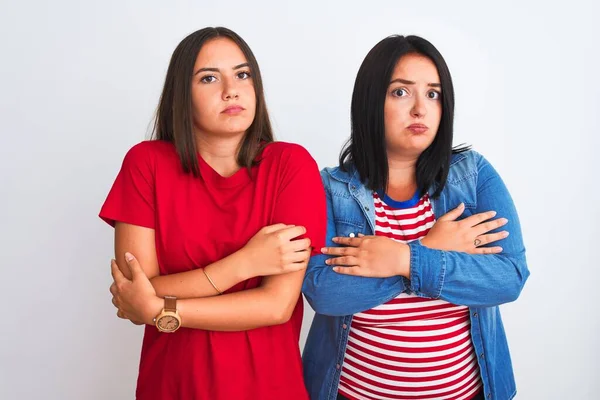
(402, 177)
(220, 153)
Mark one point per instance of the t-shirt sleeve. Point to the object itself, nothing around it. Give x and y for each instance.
(131, 198)
(301, 196)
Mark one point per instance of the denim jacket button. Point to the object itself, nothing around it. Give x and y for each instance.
(337, 366)
(353, 187)
(351, 234)
(481, 355)
(489, 396)
(475, 314)
(367, 208)
(344, 326)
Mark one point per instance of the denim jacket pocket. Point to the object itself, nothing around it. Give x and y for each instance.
(348, 228)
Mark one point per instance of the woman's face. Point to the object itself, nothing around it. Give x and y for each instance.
(413, 107)
(223, 98)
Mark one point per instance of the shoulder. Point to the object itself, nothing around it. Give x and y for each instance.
(470, 166)
(465, 165)
(149, 152)
(289, 154)
(275, 149)
(336, 173)
(336, 179)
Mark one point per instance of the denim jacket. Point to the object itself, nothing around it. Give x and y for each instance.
(481, 282)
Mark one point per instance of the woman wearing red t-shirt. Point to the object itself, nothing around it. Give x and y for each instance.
(213, 206)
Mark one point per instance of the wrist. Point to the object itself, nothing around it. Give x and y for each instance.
(155, 306)
(403, 263)
(240, 261)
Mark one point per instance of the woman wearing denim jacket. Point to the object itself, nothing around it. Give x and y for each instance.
(406, 292)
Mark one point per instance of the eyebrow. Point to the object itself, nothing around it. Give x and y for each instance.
(407, 82)
(242, 65)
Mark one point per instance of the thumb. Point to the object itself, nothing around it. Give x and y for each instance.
(453, 214)
(134, 265)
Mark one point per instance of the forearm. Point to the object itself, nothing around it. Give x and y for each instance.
(244, 310)
(330, 293)
(225, 274)
(473, 280)
(270, 304)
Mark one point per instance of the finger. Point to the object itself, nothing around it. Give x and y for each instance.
(492, 237)
(116, 272)
(476, 219)
(114, 301)
(297, 257)
(114, 290)
(340, 251)
(490, 226)
(294, 267)
(137, 322)
(453, 214)
(274, 228)
(121, 314)
(298, 245)
(360, 235)
(134, 266)
(354, 271)
(291, 232)
(486, 250)
(348, 241)
(349, 261)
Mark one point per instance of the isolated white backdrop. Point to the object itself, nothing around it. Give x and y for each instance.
(79, 82)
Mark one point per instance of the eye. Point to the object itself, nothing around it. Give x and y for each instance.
(244, 75)
(208, 79)
(400, 92)
(433, 94)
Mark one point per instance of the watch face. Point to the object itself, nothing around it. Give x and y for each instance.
(168, 323)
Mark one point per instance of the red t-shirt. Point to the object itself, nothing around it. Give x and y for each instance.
(197, 222)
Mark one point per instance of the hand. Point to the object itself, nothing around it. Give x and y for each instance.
(370, 256)
(135, 299)
(272, 250)
(466, 235)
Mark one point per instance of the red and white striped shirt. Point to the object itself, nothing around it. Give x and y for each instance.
(410, 347)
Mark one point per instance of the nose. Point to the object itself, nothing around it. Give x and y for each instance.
(230, 91)
(418, 109)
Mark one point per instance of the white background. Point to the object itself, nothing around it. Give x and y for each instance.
(79, 82)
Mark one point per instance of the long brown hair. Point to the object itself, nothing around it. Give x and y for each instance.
(174, 116)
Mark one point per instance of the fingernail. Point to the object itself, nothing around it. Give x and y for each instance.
(504, 221)
(327, 262)
(506, 234)
(324, 250)
(494, 213)
(128, 256)
(335, 239)
(336, 269)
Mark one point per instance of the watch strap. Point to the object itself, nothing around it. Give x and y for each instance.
(170, 303)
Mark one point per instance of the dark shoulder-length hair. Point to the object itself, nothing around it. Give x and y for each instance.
(366, 148)
(174, 116)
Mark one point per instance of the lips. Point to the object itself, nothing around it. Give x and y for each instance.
(233, 110)
(418, 128)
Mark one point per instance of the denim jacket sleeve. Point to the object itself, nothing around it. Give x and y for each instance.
(330, 293)
(475, 280)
